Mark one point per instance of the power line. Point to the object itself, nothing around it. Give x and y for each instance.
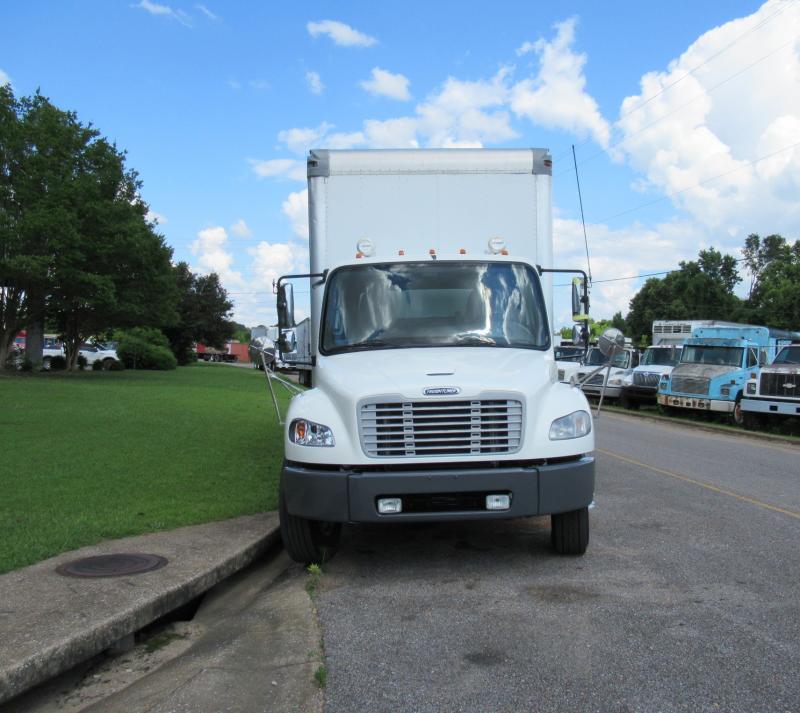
(690, 72)
(583, 220)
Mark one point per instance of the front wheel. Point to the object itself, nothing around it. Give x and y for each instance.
(308, 541)
(569, 531)
(738, 414)
(752, 421)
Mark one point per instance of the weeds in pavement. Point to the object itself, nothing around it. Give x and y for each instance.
(321, 676)
(314, 575)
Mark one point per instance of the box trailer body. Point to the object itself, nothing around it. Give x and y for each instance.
(716, 361)
(435, 393)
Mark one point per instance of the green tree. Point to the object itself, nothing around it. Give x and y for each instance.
(203, 313)
(701, 289)
(776, 299)
(74, 233)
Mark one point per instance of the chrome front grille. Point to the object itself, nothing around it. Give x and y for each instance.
(780, 384)
(398, 429)
(690, 384)
(597, 379)
(646, 378)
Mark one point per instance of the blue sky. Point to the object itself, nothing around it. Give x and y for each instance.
(692, 108)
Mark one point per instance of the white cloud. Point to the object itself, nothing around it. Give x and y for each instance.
(300, 140)
(259, 84)
(698, 128)
(315, 83)
(212, 254)
(4, 78)
(279, 168)
(556, 97)
(392, 133)
(295, 207)
(386, 84)
(241, 229)
(210, 15)
(341, 34)
(155, 217)
(155, 8)
(235, 84)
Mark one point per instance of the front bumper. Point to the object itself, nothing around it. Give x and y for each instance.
(641, 394)
(612, 392)
(696, 402)
(770, 406)
(350, 495)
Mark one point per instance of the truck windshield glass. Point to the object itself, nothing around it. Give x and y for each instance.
(595, 357)
(715, 356)
(433, 304)
(661, 357)
(788, 355)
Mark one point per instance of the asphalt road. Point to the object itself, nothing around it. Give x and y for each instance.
(687, 599)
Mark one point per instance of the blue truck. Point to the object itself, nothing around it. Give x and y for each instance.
(716, 362)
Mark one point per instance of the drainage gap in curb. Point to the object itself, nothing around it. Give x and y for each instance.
(117, 565)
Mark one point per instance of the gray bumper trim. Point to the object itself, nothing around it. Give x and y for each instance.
(350, 495)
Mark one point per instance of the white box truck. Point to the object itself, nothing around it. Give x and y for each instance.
(435, 392)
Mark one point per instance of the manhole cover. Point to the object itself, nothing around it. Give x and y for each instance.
(120, 565)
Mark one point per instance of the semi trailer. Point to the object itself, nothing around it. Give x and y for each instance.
(435, 393)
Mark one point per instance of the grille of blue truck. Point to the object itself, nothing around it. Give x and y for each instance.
(646, 378)
(440, 428)
(777, 384)
(690, 384)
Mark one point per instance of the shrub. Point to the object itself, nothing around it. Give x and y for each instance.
(82, 362)
(97, 365)
(58, 363)
(27, 364)
(116, 365)
(144, 348)
(161, 358)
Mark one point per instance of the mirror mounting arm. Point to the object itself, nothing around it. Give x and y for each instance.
(585, 295)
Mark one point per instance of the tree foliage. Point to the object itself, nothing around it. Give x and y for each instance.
(774, 265)
(701, 289)
(203, 313)
(73, 229)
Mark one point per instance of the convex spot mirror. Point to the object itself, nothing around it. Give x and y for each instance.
(286, 306)
(578, 306)
(265, 346)
(287, 343)
(611, 341)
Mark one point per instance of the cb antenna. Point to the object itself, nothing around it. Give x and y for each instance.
(583, 220)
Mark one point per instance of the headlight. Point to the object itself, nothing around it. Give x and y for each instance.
(664, 383)
(751, 387)
(615, 382)
(308, 433)
(725, 390)
(577, 424)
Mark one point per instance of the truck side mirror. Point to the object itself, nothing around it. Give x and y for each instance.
(285, 306)
(263, 346)
(287, 342)
(579, 311)
(611, 341)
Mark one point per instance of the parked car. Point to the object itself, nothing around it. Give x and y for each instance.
(91, 352)
(775, 392)
(621, 365)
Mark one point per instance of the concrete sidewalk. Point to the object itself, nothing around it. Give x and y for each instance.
(49, 623)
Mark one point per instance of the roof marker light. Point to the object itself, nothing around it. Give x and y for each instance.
(461, 251)
(431, 252)
(366, 247)
(504, 252)
(496, 245)
(401, 252)
(359, 255)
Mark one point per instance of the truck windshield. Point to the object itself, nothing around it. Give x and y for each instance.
(661, 356)
(716, 356)
(433, 304)
(595, 357)
(788, 355)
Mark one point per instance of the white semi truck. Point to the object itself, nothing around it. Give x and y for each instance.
(435, 392)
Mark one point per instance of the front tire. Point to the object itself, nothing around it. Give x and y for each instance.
(738, 414)
(569, 532)
(308, 541)
(752, 421)
(46, 363)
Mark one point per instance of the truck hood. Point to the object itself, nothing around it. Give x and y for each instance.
(408, 372)
(660, 369)
(781, 369)
(705, 371)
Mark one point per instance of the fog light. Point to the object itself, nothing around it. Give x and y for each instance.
(387, 506)
(498, 502)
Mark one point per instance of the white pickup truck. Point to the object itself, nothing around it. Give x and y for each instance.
(91, 352)
(775, 391)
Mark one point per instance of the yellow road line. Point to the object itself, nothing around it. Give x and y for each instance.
(707, 486)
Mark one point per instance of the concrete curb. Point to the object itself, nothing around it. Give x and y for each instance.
(50, 623)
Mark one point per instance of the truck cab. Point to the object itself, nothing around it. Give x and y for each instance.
(435, 392)
(774, 392)
(714, 366)
(640, 385)
(621, 364)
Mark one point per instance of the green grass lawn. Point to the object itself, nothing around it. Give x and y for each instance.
(96, 455)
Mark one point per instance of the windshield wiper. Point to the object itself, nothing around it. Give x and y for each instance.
(361, 346)
(468, 340)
